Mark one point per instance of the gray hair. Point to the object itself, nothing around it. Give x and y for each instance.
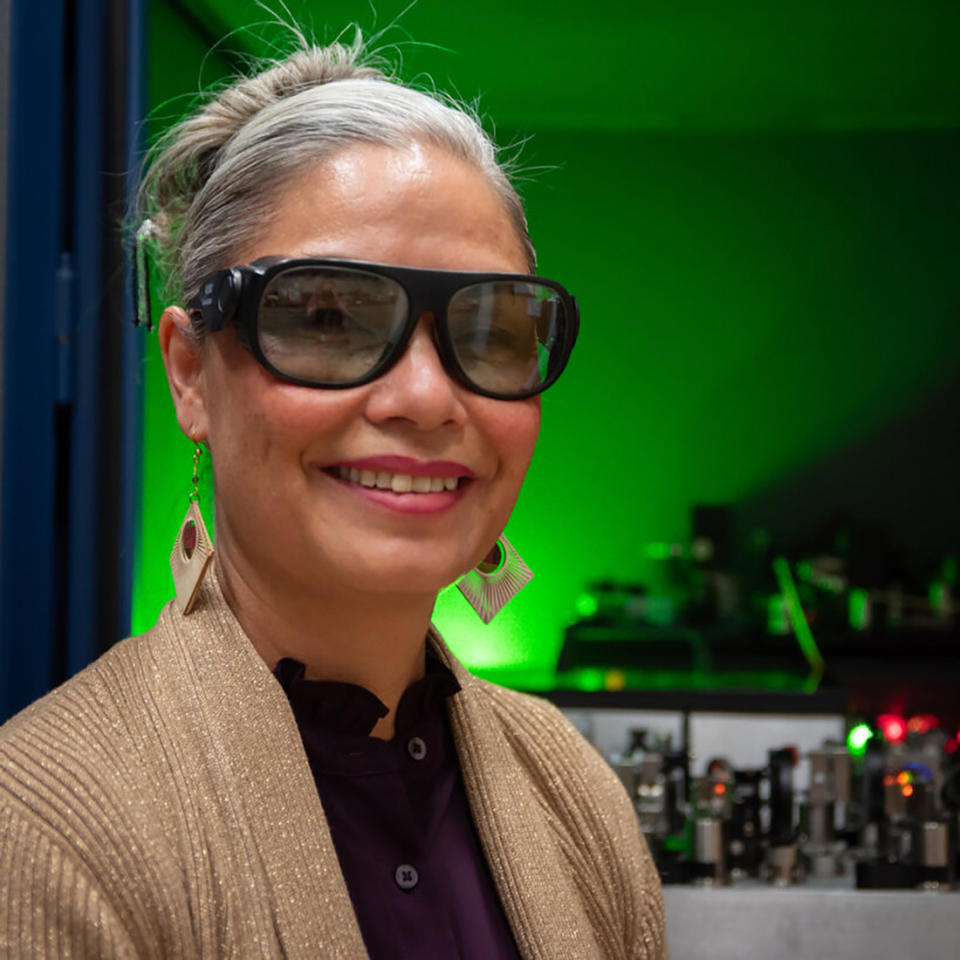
(210, 180)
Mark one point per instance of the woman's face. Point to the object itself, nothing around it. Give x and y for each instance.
(282, 454)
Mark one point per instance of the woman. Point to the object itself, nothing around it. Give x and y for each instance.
(291, 763)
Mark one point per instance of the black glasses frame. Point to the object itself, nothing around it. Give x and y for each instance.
(234, 294)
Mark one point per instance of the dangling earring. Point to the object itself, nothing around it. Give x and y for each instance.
(193, 549)
(495, 580)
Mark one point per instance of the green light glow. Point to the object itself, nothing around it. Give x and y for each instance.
(588, 678)
(938, 597)
(587, 605)
(591, 679)
(859, 609)
(778, 620)
(658, 551)
(857, 739)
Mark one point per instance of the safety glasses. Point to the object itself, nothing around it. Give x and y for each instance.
(334, 324)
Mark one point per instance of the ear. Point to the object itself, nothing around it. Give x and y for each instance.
(183, 360)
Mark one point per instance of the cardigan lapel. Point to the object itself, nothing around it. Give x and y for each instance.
(277, 809)
(536, 889)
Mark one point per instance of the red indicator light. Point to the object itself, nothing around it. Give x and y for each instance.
(903, 777)
(951, 746)
(893, 727)
(719, 789)
(922, 723)
(889, 780)
(907, 791)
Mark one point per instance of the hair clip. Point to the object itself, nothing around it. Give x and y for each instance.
(141, 276)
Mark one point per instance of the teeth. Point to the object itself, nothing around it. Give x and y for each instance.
(397, 482)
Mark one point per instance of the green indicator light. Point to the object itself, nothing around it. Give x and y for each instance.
(857, 739)
(586, 605)
(676, 844)
(859, 609)
(589, 678)
(938, 597)
(804, 571)
(778, 622)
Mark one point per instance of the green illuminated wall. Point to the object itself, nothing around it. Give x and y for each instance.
(763, 242)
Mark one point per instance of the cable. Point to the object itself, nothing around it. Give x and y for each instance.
(798, 620)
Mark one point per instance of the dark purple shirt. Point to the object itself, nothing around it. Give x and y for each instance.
(399, 817)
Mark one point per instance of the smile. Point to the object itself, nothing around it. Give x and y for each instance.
(396, 482)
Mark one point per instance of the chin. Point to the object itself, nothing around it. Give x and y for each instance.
(410, 582)
(403, 572)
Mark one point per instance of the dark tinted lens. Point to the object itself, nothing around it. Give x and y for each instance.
(329, 325)
(503, 333)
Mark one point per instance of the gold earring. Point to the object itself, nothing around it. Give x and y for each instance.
(193, 548)
(495, 580)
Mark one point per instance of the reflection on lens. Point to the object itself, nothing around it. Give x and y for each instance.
(329, 324)
(503, 333)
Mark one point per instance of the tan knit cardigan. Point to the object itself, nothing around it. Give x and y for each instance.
(160, 804)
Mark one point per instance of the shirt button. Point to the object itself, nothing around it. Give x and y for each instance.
(406, 876)
(417, 748)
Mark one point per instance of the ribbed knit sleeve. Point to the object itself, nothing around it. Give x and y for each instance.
(50, 906)
(148, 812)
(87, 858)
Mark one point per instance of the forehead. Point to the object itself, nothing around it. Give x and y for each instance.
(415, 206)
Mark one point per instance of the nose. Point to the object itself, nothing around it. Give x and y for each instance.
(417, 389)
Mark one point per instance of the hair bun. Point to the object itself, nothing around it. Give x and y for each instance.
(311, 67)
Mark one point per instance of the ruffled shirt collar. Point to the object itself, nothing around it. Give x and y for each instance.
(351, 710)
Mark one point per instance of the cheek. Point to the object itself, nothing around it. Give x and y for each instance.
(513, 431)
(258, 424)
(239, 423)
